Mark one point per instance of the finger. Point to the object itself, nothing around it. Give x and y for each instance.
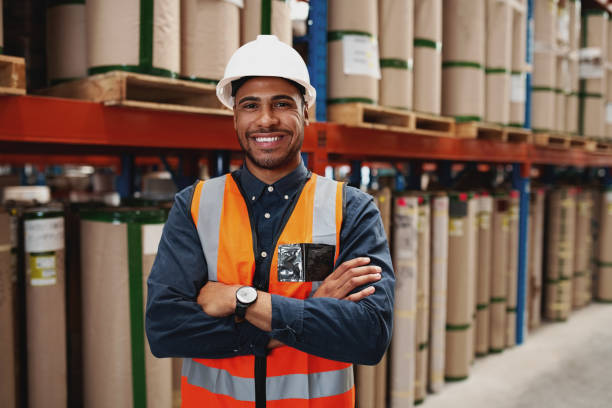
(362, 294)
(358, 281)
(350, 264)
(359, 271)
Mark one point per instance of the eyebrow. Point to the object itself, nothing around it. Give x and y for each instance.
(257, 99)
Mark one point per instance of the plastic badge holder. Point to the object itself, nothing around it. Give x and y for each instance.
(305, 262)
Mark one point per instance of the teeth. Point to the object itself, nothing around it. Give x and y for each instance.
(267, 139)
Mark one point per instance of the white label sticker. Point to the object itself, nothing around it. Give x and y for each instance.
(609, 112)
(591, 63)
(151, 235)
(360, 55)
(518, 88)
(239, 3)
(563, 23)
(455, 227)
(44, 235)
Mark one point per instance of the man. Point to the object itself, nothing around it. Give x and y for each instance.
(271, 281)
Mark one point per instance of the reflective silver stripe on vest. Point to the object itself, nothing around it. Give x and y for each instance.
(303, 386)
(218, 381)
(209, 221)
(324, 213)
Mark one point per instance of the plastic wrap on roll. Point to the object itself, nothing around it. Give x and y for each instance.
(405, 224)
(463, 56)
(439, 267)
(139, 36)
(427, 67)
(210, 35)
(266, 17)
(66, 42)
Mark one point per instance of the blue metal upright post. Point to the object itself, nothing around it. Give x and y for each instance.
(125, 181)
(520, 181)
(355, 179)
(317, 54)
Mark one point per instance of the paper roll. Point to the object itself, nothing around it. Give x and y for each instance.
(8, 351)
(604, 284)
(463, 92)
(483, 293)
(545, 22)
(593, 119)
(512, 269)
(536, 242)
(575, 24)
(498, 98)
(543, 110)
(119, 36)
(581, 282)
(464, 31)
(210, 35)
(519, 41)
(280, 21)
(427, 56)
(544, 70)
(66, 42)
(423, 294)
(499, 282)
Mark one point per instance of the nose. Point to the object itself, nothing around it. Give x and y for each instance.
(267, 117)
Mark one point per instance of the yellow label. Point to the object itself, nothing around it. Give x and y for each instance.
(505, 223)
(484, 220)
(610, 209)
(455, 227)
(43, 270)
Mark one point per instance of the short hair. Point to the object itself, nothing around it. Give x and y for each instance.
(237, 83)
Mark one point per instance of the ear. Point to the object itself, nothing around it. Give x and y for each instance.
(306, 117)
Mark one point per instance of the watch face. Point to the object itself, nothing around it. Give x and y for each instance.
(246, 294)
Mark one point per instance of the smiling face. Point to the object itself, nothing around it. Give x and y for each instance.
(269, 117)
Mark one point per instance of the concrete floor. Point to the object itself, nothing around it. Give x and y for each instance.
(560, 365)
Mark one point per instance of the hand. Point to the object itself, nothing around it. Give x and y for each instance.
(218, 299)
(348, 276)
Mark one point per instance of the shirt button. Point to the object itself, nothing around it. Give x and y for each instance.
(264, 254)
(270, 188)
(286, 197)
(253, 198)
(267, 215)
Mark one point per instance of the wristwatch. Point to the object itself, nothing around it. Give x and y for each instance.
(245, 297)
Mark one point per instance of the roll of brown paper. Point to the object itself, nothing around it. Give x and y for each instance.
(116, 246)
(497, 306)
(423, 293)
(485, 238)
(8, 372)
(581, 282)
(352, 79)
(210, 33)
(428, 56)
(512, 268)
(543, 110)
(604, 284)
(545, 22)
(562, 89)
(395, 34)
(593, 115)
(66, 42)
(405, 222)
(498, 61)
(575, 24)
(45, 291)
(117, 33)
(280, 20)
(536, 242)
(463, 55)
(439, 267)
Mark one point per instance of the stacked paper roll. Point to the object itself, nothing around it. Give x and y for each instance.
(595, 235)
(544, 65)
(574, 8)
(352, 29)
(472, 255)
(497, 306)
(535, 247)
(512, 268)
(485, 239)
(439, 267)
(8, 373)
(371, 381)
(581, 282)
(427, 56)
(498, 61)
(593, 76)
(463, 56)
(395, 30)
(66, 41)
(518, 79)
(423, 292)
(459, 305)
(117, 252)
(256, 14)
(560, 253)
(572, 96)
(120, 36)
(561, 92)
(608, 95)
(604, 283)
(405, 223)
(45, 291)
(210, 33)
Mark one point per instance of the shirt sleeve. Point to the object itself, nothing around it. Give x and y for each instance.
(342, 330)
(176, 325)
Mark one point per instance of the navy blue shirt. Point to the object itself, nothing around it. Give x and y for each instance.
(356, 332)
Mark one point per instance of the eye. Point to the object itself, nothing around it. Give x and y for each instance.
(249, 106)
(283, 104)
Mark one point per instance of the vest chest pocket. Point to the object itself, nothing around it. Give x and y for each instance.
(305, 262)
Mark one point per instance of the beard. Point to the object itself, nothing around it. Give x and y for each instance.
(268, 162)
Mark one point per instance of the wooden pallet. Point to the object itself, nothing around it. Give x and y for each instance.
(12, 75)
(517, 135)
(479, 130)
(582, 143)
(118, 88)
(558, 140)
(396, 120)
(602, 146)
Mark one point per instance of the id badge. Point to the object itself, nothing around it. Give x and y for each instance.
(305, 262)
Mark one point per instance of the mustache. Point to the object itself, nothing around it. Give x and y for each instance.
(287, 132)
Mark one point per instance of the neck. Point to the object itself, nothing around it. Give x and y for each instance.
(271, 176)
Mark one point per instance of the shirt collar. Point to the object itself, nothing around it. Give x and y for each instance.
(289, 184)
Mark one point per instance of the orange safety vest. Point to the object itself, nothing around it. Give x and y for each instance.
(293, 378)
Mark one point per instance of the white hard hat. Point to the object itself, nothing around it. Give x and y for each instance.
(266, 56)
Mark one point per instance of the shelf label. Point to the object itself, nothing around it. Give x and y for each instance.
(517, 86)
(43, 270)
(360, 55)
